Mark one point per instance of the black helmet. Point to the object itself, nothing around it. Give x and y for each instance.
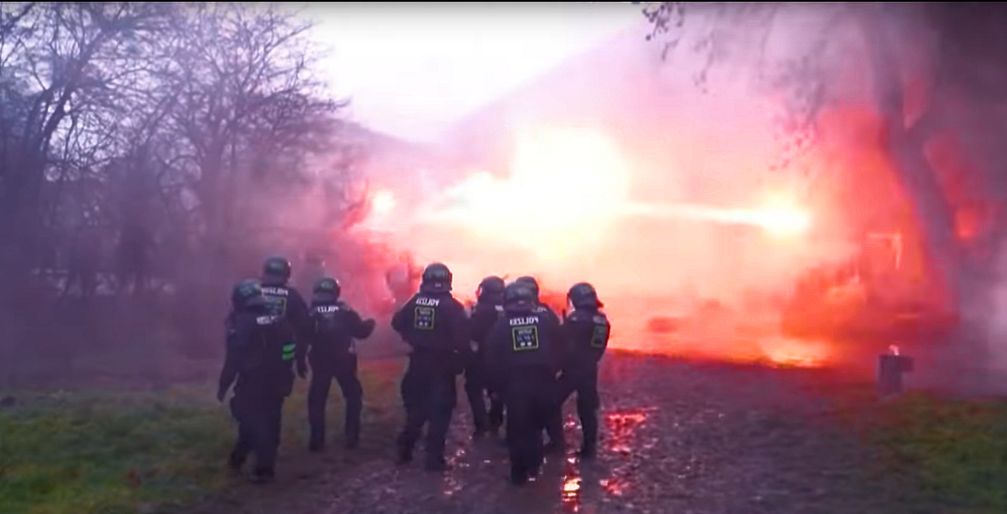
(491, 289)
(519, 296)
(436, 279)
(276, 271)
(247, 293)
(326, 289)
(583, 296)
(531, 283)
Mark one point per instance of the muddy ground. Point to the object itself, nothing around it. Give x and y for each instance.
(677, 437)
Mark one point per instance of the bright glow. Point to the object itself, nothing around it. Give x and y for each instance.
(571, 486)
(778, 219)
(783, 351)
(783, 221)
(383, 202)
(781, 216)
(565, 186)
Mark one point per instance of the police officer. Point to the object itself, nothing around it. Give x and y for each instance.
(434, 324)
(586, 330)
(527, 345)
(554, 426)
(331, 352)
(478, 370)
(258, 363)
(287, 304)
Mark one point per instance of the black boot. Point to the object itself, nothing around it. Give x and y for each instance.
(518, 476)
(316, 446)
(436, 464)
(235, 462)
(554, 448)
(263, 476)
(404, 454)
(352, 442)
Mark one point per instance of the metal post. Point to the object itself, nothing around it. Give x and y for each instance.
(891, 367)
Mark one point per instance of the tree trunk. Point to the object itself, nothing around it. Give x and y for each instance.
(905, 149)
(966, 285)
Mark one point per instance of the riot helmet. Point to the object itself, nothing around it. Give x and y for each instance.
(247, 293)
(584, 296)
(491, 290)
(518, 296)
(436, 279)
(531, 283)
(276, 271)
(326, 289)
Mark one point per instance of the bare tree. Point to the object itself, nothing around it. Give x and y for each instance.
(246, 103)
(935, 75)
(58, 64)
(129, 133)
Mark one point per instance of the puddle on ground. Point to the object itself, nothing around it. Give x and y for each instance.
(581, 488)
(571, 488)
(457, 467)
(621, 427)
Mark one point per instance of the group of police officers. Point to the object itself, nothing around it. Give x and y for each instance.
(514, 351)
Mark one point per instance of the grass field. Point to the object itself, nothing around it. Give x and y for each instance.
(955, 449)
(113, 452)
(128, 451)
(944, 450)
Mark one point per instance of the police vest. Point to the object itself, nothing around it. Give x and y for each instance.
(589, 333)
(277, 298)
(331, 327)
(530, 342)
(268, 356)
(427, 322)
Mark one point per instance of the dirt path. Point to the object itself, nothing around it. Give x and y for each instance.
(677, 437)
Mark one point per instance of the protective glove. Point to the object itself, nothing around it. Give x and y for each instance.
(369, 326)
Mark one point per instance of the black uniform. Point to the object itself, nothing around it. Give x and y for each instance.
(586, 331)
(333, 326)
(526, 344)
(554, 424)
(287, 304)
(478, 370)
(434, 324)
(259, 357)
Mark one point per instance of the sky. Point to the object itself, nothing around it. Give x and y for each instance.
(410, 70)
